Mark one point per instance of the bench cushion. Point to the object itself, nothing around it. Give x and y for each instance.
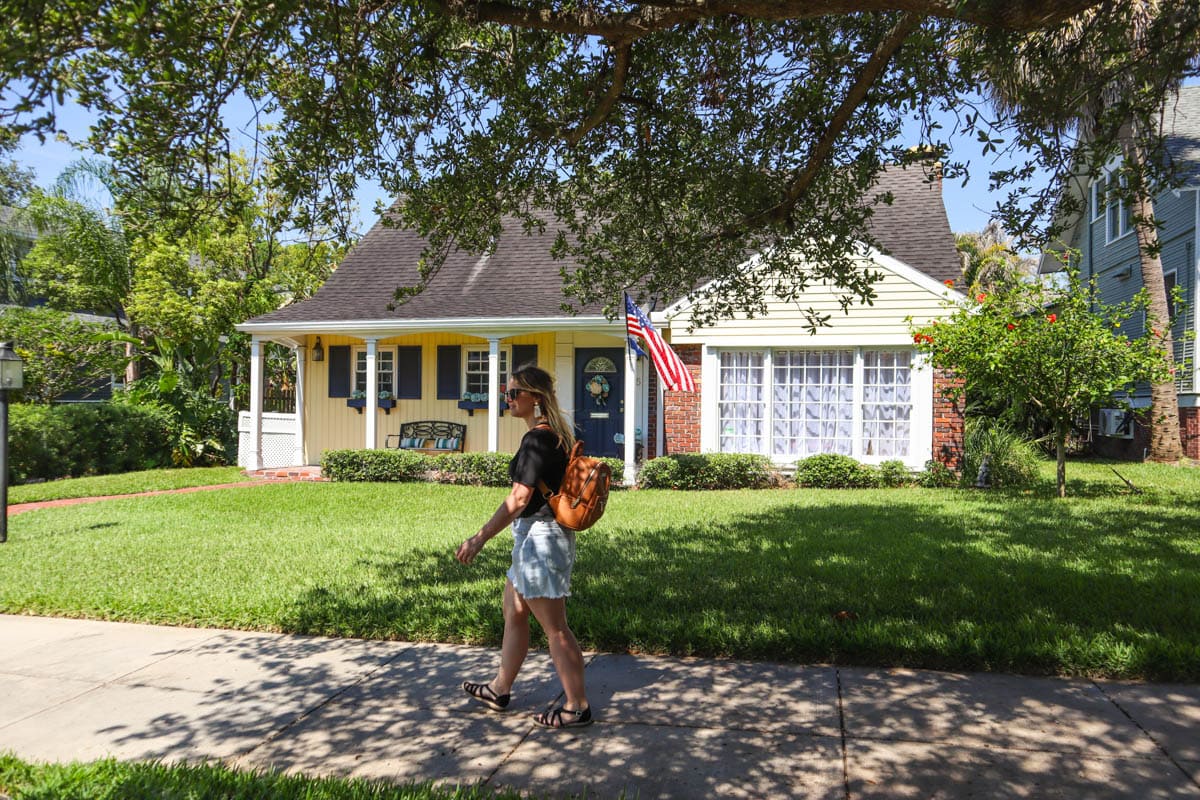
(413, 442)
(445, 444)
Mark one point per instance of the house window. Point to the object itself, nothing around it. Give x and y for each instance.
(475, 376)
(742, 405)
(1169, 280)
(812, 409)
(385, 371)
(1099, 198)
(886, 403)
(797, 403)
(1118, 217)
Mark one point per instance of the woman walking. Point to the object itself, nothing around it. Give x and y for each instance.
(543, 555)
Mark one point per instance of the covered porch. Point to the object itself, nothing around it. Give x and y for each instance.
(357, 385)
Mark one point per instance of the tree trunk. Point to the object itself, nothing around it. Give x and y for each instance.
(1165, 443)
(1061, 429)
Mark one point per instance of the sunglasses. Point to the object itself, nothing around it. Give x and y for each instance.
(511, 394)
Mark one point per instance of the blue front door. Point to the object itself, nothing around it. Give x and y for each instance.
(600, 399)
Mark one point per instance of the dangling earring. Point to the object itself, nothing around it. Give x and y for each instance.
(537, 410)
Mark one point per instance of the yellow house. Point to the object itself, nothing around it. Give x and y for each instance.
(765, 385)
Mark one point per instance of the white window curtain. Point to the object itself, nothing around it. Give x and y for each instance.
(813, 402)
(887, 403)
(742, 406)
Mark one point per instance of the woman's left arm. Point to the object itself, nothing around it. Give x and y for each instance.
(509, 510)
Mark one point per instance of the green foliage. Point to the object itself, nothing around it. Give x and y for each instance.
(1012, 460)
(59, 441)
(734, 123)
(373, 465)
(203, 428)
(989, 261)
(895, 473)
(937, 476)
(1057, 349)
(62, 353)
(707, 471)
(834, 471)
(473, 469)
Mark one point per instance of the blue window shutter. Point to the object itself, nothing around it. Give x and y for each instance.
(408, 373)
(523, 354)
(339, 370)
(449, 372)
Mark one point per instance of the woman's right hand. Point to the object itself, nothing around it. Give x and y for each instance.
(469, 549)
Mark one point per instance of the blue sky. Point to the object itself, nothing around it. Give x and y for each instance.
(968, 207)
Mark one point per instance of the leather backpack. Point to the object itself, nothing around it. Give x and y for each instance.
(580, 500)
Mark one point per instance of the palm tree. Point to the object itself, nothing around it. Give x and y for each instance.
(1132, 66)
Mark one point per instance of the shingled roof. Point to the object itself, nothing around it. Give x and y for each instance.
(520, 280)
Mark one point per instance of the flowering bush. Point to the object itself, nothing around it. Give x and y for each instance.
(1059, 350)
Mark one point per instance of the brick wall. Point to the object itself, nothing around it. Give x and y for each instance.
(681, 410)
(947, 421)
(1189, 431)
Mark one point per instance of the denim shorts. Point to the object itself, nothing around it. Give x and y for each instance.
(543, 556)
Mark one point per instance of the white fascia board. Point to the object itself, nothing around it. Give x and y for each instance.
(481, 326)
(903, 270)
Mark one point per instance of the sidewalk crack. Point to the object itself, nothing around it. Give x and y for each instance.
(1162, 749)
(842, 725)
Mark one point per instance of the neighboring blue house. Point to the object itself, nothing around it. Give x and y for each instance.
(1104, 236)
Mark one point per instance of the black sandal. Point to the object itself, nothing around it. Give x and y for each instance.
(564, 718)
(484, 693)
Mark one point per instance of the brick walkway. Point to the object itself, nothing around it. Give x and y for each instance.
(260, 478)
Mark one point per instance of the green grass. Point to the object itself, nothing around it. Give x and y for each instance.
(1104, 583)
(115, 780)
(128, 483)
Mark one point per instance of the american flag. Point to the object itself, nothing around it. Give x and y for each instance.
(674, 374)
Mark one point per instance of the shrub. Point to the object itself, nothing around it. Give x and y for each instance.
(1012, 460)
(472, 469)
(707, 471)
(48, 442)
(937, 476)
(833, 471)
(894, 473)
(373, 465)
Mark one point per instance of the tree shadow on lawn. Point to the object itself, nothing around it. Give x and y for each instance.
(990, 583)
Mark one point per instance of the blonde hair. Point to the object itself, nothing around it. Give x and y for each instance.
(536, 380)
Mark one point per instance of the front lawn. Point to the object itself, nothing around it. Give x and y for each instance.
(109, 778)
(1104, 583)
(150, 480)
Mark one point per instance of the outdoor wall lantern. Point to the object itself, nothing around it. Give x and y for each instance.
(318, 352)
(12, 376)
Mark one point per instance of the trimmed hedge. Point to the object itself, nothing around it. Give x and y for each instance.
(708, 471)
(74, 440)
(834, 471)
(467, 469)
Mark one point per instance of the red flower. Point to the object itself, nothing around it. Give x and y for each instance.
(949, 283)
(1052, 317)
(979, 298)
(1011, 327)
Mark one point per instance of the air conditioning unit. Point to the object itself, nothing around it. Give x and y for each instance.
(1116, 423)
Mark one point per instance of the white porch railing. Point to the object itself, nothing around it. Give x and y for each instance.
(278, 440)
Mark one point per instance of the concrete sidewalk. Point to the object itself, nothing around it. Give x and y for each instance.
(666, 727)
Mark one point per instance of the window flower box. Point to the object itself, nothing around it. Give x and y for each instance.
(359, 403)
(471, 406)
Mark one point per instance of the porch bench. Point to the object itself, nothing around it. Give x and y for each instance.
(431, 437)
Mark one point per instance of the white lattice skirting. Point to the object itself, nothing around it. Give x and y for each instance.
(278, 440)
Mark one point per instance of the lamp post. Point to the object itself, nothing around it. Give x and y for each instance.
(11, 377)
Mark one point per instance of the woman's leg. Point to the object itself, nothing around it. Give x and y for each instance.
(551, 614)
(516, 639)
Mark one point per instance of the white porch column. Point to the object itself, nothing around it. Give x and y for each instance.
(493, 394)
(661, 429)
(631, 406)
(372, 404)
(254, 459)
(298, 448)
